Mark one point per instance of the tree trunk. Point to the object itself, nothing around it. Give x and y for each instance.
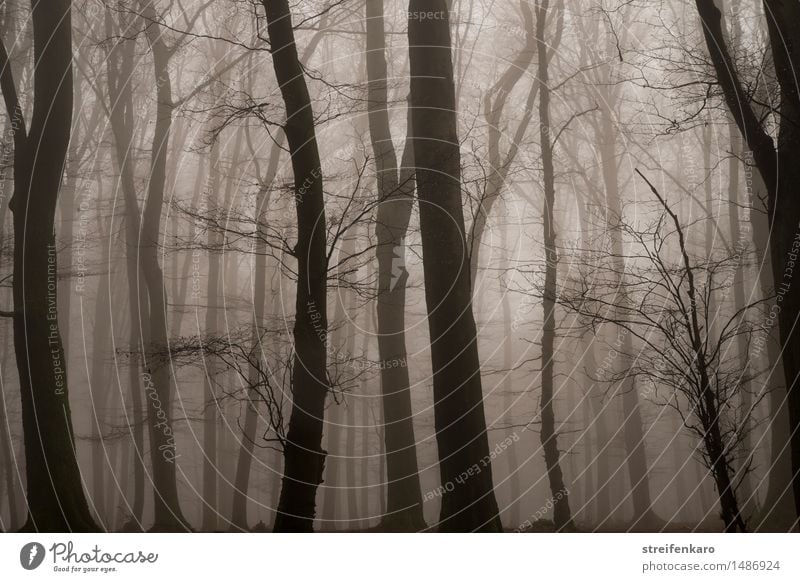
(562, 517)
(99, 391)
(513, 515)
(636, 455)
(780, 172)
(395, 202)
(158, 383)
(304, 458)
(211, 509)
(56, 500)
(119, 64)
(244, 463)
(7, 457)
(778, 509)
(468, 501)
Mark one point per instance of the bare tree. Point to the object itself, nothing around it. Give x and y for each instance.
(303, 455)
(468, 503)
(395, 202)
(55, 496)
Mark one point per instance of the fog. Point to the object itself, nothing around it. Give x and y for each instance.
(359, 265)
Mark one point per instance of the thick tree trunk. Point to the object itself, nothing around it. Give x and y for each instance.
(330, 492)
(395, 201)
(780, 172)
(304, 458)
(56, 500)
(468, 501)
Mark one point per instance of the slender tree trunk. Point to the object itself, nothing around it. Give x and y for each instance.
(211, 508)
(365, 451)
(99, 385)
(636, 455)
(679, 458)
(562, 517)
(119, 63)
(158, 383)
(778, 508)
(468, 502)
(244, 463)
(514, 518)
(749, 497)
(304, 458)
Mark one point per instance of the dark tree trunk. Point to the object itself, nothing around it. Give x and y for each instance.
(779, 170)
(468, 501)
(7, 457)
(562, 517)
(304, 458)
(55, 496)
(395, 201)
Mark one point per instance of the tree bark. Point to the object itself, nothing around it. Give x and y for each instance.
(562, 518)
(158, 383)
(468, 501)
(119, 67)
(304, 458)
(779, 170)
(395, 202)
(55, 496)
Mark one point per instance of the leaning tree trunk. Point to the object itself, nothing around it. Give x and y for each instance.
(395, 201)
(245, 457)
(304, 458)
(562, 518)
(780, 172)
(468, 501)
(56, 500)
